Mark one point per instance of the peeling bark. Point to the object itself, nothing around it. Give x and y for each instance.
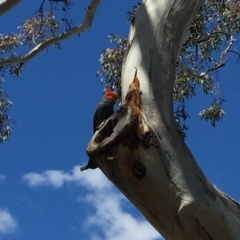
(139, 149)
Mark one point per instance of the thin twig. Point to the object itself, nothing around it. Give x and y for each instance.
(238, 54)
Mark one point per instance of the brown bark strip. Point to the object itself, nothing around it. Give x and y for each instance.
(133, 98)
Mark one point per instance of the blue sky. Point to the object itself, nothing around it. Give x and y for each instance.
(43, 193)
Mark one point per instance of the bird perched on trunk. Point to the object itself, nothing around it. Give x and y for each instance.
(102, 112)
(105, 108)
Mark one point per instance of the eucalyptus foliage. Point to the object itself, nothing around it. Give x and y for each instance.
(205, 50)
(5, 104)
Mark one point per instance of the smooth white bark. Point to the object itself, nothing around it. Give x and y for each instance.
(172, 192)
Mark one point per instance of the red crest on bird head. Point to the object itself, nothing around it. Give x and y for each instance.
(110, 94)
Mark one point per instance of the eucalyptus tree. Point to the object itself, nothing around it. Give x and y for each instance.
(172, 48)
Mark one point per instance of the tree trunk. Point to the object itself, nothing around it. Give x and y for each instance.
(139, 148)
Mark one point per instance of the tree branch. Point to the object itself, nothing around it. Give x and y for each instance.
(237, 53)
(6, 5)
(87, 22)
(191, 73)
(205, 39)
(223, 59)
(217, 65)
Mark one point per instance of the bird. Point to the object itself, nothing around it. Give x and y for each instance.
(102, 112)
(105, 108)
